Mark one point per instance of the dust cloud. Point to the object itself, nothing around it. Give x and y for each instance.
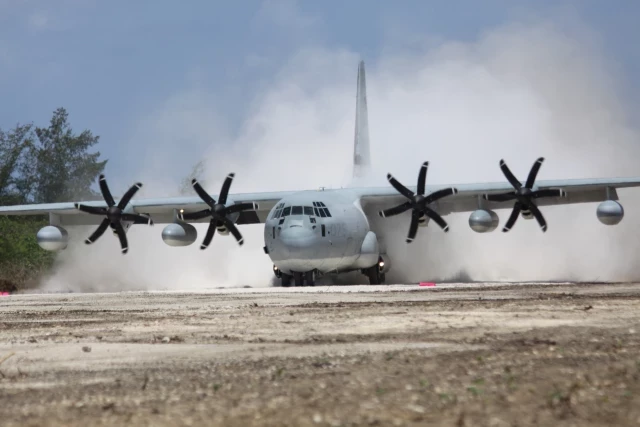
(517, 92)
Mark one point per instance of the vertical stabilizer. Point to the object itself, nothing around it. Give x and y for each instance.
(361, 154)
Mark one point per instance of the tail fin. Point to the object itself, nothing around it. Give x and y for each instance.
(361, 153)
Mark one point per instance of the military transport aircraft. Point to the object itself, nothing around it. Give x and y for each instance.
(315, 232)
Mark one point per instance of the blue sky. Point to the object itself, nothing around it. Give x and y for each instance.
(113, 63)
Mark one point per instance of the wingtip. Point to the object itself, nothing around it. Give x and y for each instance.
(88, 242)
(231, 175)
(138, 184)
(125, 250)
(76, 205)
(102, 177)
(425, 164)
(446, 229)
(389, 177)
(256, 206)
(540, 159)
(203, 247)
(454, 190)
(381, 213)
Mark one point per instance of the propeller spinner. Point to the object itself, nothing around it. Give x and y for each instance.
(418, 202)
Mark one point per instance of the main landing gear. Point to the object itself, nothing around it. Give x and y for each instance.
(298, 279)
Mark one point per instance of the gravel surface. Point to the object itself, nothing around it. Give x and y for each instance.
(461, 355)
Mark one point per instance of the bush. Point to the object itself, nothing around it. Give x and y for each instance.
(22, 260)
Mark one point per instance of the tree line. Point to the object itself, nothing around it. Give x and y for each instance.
(41, 165)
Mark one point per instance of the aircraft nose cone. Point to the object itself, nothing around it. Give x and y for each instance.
(296, 238)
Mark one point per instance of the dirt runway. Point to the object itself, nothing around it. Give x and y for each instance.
(460, 355)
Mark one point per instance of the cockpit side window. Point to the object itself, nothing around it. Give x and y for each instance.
(286, 211)
(296, 210)
(278, 211)
(321, 210)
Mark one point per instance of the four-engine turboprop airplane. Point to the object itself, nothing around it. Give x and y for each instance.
(315, 232)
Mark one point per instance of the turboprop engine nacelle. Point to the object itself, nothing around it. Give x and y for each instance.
(610, 212)
(179, 234)
(52, 238)
(483, 221)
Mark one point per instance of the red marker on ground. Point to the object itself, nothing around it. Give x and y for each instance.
(4, 294)
(427, 284)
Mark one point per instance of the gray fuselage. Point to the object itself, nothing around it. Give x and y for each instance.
(319, 230)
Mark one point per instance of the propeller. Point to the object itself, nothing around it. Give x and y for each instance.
(114, 214)
(524, 195)
(218, 211)
(418, 202)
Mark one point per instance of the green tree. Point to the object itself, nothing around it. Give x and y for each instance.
(14, 146)
(60, 168)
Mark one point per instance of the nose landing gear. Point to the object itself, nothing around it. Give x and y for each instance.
(299, 279)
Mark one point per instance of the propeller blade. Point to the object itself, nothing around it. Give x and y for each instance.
(210, 232)
(500, 197)
(106, 193)
(136, 218)
(512, 219)
(413, 227)
(422, 178)
(239, 207)
(224, 191)
(91, 209)
(395, 210)
(122, 236)
(399, 187)
(196, 215)
(436, 218)
(539, 217)
(99, 232)
(510, 176)
(437, 195)
(550, 192)
(533, 173)
(203, 194)
(233, 229)
(129, 195)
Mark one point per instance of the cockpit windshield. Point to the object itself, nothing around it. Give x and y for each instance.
(318, 210)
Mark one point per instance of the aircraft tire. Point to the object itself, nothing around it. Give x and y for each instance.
(310, 278)
(373, 273)
(298, 279)
(285, 280)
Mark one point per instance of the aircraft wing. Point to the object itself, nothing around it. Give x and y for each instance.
(162, 210)
(468, 197)
(471, 196)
